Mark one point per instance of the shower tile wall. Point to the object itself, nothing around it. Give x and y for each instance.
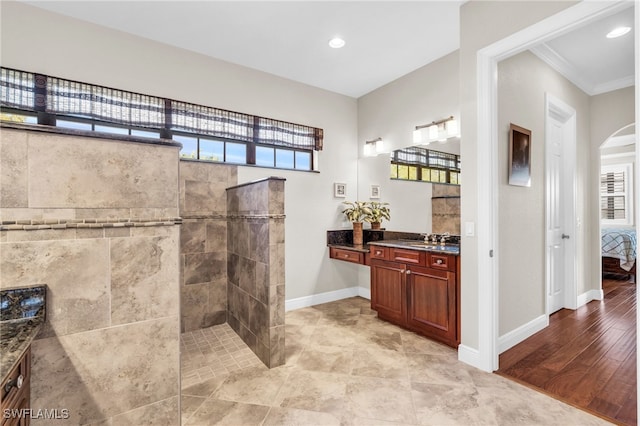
(445, 208)
(96, 221)
(203, 242)
(255, 243)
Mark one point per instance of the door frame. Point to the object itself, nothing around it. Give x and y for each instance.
(486, 357)
(566, 114)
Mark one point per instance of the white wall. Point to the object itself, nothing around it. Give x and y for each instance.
(391, 112)
(523, 81)
(36, 40)
(481, 24)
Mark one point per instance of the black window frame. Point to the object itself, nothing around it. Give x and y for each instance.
(277, 134)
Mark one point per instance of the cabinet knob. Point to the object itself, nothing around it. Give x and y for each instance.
(378, 252)
(17, 382)
(439, 261)
(346, 255)
(408, 272)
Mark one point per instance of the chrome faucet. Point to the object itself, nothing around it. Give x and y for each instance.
(444, 238)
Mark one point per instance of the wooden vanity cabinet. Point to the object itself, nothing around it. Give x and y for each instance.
(16, 392)
(420, 293)
(388, 290)
(431, 303)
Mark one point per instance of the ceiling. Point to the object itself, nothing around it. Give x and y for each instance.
(589, 59)
(384, 39)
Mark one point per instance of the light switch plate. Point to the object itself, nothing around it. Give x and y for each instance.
(470, 229)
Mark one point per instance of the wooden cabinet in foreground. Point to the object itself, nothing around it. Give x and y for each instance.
(16, 394)
(417, 290)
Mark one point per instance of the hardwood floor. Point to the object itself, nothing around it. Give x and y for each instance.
(585, 357)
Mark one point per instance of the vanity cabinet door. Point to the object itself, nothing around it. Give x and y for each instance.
(431, 303)
(388, 290)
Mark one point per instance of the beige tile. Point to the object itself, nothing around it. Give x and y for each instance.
(380, 363)
(216, 412)
(202, 196)
(103, 373)
(76, 273)
(14, 180)
(380, 399)
(165, 412)
(257, 385)
(189, 405)
(437, 369)
(314, 391)
(204, 389)
(414, 343)
(326, 359)
(144, 278)
(291, 416)
(41, 235)
(450, 404)
(134, 175)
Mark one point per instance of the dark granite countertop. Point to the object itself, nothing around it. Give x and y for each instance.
(419, 245)
(363, 248)
(22, 314)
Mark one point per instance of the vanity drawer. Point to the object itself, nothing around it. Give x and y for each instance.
(379, 252)
(441, 261)
(413, 257)
(346, 255)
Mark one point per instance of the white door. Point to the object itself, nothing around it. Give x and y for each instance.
(555, 225)
(560, 209)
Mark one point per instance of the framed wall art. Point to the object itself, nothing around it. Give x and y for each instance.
(519, 156)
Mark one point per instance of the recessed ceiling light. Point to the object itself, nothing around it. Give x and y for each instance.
(336, 42)
(618, 32)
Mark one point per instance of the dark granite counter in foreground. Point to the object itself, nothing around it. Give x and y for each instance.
(343, 239)
(22, 314)
(420, 245)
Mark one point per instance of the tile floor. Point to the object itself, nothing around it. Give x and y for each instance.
(346, 367)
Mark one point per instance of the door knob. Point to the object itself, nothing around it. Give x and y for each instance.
(565, 237)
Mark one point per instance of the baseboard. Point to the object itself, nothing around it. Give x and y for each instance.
(590, 295)
(316, 299)
(521, 333)
(471, 356)
(364, 293)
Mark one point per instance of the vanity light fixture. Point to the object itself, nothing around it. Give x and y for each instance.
(618, 32)
(436, 131)
(373, 147)
(337, 42)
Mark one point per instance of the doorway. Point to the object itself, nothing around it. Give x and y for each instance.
(560, 212)
(486, 356)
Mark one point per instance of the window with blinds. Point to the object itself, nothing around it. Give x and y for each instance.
(425, 165)
(207, 133)
(615, 195)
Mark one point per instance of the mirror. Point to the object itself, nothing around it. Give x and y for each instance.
(416, 206)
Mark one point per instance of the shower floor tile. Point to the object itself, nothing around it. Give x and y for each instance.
(213, 352)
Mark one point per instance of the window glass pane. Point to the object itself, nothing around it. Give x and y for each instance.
(403, 171)
(189, 146)
(264, 156)
(426, 174)
(413, 173)
(111, 129)
(18, 118)
(236, 153)
(394, 171)
(454, 177)
(303, 160)
(145, 133)
(76, 125)
(211, 150)
(284, 158)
